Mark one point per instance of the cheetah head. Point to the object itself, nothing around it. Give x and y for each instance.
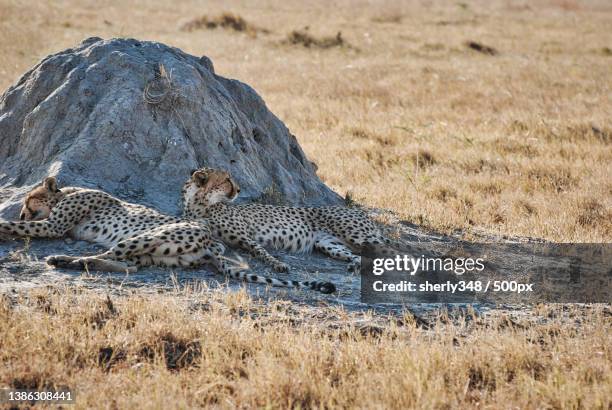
(39, 201)
(208, 186)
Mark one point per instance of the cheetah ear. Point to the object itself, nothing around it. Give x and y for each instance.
(200, 178)
(235, 187)
(51, 184)
(193, 171)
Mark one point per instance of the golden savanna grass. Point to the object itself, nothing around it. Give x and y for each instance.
(477, 116)
(193, 349)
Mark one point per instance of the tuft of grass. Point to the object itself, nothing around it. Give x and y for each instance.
(350, 200)
(481, 48)
(175, 352)
(525, 207)
(229, 21)
(558, 179)
(392, 17)
(305, 39)
(365, 134)
(591, 213)
(423, 159)
(444, 194)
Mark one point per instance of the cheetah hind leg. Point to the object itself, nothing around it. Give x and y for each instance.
(262, 254)
(334, 248)
(89, 263)
(124, 257)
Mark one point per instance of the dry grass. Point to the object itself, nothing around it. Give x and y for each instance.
(529, 125)
(481, 48)
(230, 351)
(225, 20)
(305, 39)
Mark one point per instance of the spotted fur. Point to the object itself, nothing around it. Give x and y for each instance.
(337, 232)
(134, 234)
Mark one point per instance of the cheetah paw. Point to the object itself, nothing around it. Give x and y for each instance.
(281, 267)
(326, 287)
(51, 260)
(354, 267)
(63, 261)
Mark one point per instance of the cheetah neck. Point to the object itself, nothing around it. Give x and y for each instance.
(204, 211)
(62, 194)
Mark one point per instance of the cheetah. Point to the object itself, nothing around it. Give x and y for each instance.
(136, 236)
(335, 231)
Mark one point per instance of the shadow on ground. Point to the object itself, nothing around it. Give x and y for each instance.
(22, 266)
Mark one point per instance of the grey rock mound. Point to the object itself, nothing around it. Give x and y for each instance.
(133, 118)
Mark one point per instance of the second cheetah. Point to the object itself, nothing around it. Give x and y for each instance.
(337, 232)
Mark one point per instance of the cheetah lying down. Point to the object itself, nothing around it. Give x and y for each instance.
(335, 231)
(135, 235)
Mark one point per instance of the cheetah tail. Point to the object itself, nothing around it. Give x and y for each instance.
(323, 287)
(237, 269)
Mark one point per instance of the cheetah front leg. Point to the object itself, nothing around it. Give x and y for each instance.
(62, 219)
(165, 245)
(331, 246)
(262, 254)
(123, 257)
(35, 229)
